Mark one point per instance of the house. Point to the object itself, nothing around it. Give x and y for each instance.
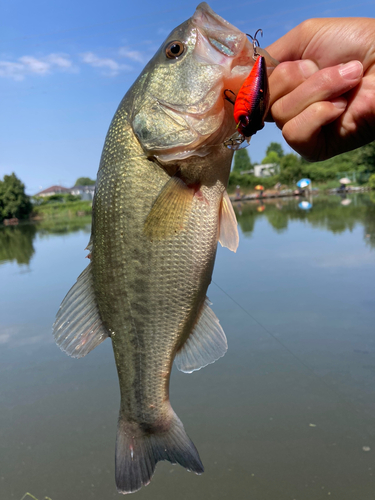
(266, 170)
(85, 192)
(53, 190)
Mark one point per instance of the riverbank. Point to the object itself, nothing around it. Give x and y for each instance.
(282, 193)
(61, 210)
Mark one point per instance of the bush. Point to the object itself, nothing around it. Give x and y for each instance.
(250, 181)
(371, 181)
(13, 200)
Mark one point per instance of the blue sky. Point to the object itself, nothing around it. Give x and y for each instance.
(65, 66)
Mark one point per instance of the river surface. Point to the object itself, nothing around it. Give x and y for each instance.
(287, 414)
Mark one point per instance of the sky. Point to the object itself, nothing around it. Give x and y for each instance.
(65, 66)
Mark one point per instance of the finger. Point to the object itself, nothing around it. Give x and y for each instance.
(324, 85)
(292, 45)
(288, 75)
(304, 132)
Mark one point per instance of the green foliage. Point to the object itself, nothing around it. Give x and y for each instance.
(68, 209)
(55, 198)
(367, 157)
(327, 213)
(84, 181)
(272, 157)
(13, 200)
(235, 178)
(241, 161)
(358, 165)
(371, 181)
(291, 169)
(275, 147)
(250, 181)
(16, 243)
(334, 168)
(64, 225)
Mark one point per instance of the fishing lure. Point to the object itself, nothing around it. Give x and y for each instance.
(252, 102)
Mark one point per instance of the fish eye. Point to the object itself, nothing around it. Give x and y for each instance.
(174, 49)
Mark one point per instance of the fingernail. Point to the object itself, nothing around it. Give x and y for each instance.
(308, 67)
(339, 103)
(351, 70)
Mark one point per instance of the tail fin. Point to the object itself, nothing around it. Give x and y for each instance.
(138, 451)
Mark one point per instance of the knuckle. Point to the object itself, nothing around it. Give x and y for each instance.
(277, 112)
(292, 133)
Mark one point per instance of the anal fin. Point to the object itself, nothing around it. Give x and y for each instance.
(170, 210)
(228, 231)
(78, 328)
(206, 344)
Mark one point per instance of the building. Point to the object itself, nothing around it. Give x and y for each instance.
(266, 170)
(85, 192)
(53, 190)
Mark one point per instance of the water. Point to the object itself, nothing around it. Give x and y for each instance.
(287, 414)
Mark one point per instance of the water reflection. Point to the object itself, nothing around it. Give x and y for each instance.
(16, 242)
(333, 213)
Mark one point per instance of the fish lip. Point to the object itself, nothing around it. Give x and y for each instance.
(223, 36)
(221, 43)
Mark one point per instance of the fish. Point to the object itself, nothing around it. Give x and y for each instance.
(160, 207)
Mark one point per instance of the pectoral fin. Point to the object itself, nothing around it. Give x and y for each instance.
(170, 210)
(228, 232)
(205, 344)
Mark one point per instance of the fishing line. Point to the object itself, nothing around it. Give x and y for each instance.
(305, 365)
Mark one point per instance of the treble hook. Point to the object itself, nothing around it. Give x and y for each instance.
(256, 43)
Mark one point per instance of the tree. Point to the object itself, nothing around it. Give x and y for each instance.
(277, 148)
(291, 168)
(367, 157)
(13, 200)
(84, 181)
(271, 157)
(241, 161)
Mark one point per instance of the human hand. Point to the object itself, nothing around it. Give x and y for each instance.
(323, 96)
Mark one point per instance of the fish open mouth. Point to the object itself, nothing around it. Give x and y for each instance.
(219, 42)
(228, 51)
(179, 124)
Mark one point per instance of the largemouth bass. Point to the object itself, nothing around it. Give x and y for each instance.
(160, 207)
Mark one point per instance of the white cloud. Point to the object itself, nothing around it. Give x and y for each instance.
(12, 70)
(134, 55)
(111, 66)
(59, 60)
(33, 65)
(29, 65)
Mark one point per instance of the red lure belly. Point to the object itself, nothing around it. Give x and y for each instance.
(252, 101)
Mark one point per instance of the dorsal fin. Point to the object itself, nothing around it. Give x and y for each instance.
(205, 344)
